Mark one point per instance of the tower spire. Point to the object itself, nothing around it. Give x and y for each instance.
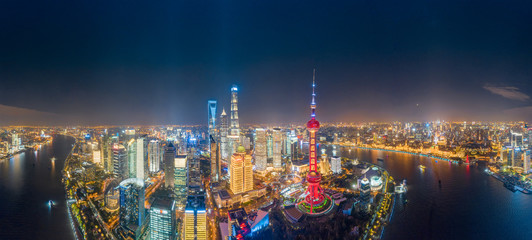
(313, 103)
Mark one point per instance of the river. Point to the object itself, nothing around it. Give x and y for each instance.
(27, 182)
(469, 204)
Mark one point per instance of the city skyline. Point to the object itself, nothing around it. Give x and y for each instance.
(375, 61)
(247, 120)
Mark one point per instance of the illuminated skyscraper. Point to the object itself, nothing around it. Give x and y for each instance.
(136, 158)
(195, 222)
(526, 161)
(97, 156)
(260, 149)
(224, 131)
(211, 114)
(15, 142)
(235, 125)
(162, 219)
(181, 176)
(287, 144)
(215, 160)
(276, 147)
(131, 214)
(169, 165)
(336, 165)
(120, 161)
(241, 172)
(106, 153)
(269, 146)
(234, 128)
(365, 190)
(154, 156)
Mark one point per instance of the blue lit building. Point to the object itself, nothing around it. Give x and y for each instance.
(365, 190)
(211, 114)
(132, 213)
(261, 222)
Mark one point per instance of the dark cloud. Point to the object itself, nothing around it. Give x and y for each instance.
(22, 116)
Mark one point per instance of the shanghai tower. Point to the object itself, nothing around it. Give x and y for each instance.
(235, 126)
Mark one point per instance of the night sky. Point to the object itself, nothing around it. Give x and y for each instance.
(158, 62)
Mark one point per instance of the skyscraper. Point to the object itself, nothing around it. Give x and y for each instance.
(120, 166)
(211, 114)
(235, 125)
(224, 131)
(180, 178)
(106, 153)
(526, 161)
(287, 144)
(234, 128)
(154, 155)
(215, 160)
(136, 158)
(336, 165)
(162, 219)
(169, 165)
(276, 147)
(195, 223)
(131, 213)
(241, 172)
(365, 190)
(269, 146)
(260, 149)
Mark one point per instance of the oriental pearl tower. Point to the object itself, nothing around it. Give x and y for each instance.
(315, 198)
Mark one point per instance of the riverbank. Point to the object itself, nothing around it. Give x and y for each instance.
(72, 208)
(384, 212)
(510, 184)
(398, 151)
(32, 146)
